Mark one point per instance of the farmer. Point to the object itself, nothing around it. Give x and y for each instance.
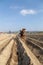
(22, 32)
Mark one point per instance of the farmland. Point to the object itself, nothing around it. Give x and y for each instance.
(15, 50)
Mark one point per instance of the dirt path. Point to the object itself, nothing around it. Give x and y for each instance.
(14, 57)
(4, 56)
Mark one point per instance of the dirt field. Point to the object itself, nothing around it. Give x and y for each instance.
(17, 51)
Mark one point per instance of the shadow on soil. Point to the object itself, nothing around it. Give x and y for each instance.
(23, 59)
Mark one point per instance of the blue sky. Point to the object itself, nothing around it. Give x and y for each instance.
(18, 14)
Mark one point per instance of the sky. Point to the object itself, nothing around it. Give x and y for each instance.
(18, 14)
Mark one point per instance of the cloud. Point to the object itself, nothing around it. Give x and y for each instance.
(27, 12)
(16, 7)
